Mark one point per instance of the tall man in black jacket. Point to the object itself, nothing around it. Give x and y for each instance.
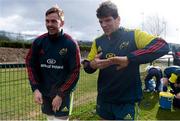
(118, 54)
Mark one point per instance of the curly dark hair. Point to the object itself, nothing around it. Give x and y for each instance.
(106, 9)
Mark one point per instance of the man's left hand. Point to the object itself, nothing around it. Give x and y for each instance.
(98, 63)
(56, 103)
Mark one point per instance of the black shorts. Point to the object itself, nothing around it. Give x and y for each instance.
(65, 109)
(109, 111)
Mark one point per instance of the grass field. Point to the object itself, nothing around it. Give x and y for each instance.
(16, 101)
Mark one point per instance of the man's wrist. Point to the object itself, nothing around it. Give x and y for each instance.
(60, 94)
(92, 65)
(87, 67)
(36, 90)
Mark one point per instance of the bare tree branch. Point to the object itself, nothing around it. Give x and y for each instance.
(155, 25)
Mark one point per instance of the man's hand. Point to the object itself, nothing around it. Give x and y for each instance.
(38, 97)
(56, 103)
(99, 63)
(121, 61)
(177, 95)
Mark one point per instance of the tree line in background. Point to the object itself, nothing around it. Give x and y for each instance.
(6, 42)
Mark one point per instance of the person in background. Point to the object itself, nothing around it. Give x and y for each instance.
(153, 71)
(118, 54)
(172, 78)
(53, 65)
(176, 56)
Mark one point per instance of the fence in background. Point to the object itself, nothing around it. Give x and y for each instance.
(16, 99)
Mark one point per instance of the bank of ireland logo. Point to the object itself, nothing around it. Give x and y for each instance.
(51, 61)
(63, 51)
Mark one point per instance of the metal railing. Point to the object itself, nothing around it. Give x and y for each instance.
(16, 101)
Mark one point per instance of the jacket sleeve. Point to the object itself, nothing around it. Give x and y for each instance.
(73, 63)
(149, 48)
(33, 66)
(91, 56)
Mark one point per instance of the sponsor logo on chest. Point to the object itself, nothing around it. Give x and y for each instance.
(51, 64)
